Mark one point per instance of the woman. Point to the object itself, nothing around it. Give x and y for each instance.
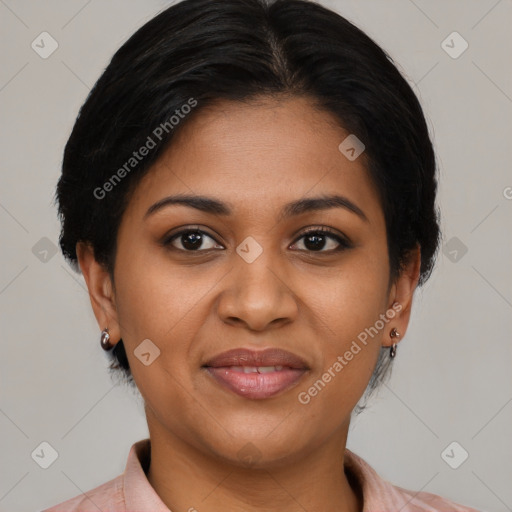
(249, 191)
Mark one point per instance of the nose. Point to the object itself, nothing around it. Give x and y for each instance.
(257, 295)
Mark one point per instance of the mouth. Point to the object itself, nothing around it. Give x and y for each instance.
(256, 374)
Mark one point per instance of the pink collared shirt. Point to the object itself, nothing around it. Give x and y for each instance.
(132, 492)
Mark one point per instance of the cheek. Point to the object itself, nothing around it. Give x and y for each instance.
(166, 305)
(350, 341)
(348, 299)
(155, 296)
(348, 313)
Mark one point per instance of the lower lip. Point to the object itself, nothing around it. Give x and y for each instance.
(256, 385)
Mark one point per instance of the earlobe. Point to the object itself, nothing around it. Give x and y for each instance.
(100, 289)
(403, 293)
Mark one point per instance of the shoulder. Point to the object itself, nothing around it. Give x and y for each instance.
(380, 495)
(425, 501)
(106, 497)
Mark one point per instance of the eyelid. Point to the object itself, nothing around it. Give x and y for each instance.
(322, 229)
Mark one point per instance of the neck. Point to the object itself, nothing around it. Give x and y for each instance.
(188, 478)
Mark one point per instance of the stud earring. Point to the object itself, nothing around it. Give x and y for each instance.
(105, 340)
(394, 334)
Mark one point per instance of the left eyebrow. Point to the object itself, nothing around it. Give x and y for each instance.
(216, 207)
(311, 204)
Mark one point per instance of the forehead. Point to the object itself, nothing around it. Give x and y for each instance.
(253, 155)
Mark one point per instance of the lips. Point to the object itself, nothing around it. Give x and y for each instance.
(262, 358)
(256, 374)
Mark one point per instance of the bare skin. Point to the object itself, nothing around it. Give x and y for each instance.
(303, 297)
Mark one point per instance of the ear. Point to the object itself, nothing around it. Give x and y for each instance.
(402, 292)
(101, 290)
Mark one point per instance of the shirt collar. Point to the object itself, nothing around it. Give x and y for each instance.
(139, 495)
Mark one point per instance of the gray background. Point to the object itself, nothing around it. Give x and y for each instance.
(452, 376)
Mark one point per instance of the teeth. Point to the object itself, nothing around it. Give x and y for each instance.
(266, 369)
(256, 369)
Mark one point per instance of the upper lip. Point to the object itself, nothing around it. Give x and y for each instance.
(247, 357)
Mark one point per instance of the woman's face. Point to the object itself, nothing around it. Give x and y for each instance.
(254, 279)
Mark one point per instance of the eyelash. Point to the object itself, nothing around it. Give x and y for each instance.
(344, 244)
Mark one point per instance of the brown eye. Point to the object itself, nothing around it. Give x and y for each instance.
(318, 239)
(191, 240)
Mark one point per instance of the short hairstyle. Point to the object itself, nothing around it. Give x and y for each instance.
(199, 51)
